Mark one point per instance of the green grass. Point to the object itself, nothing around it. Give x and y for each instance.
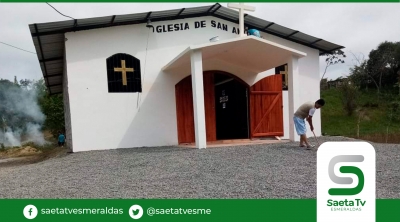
(335, 121)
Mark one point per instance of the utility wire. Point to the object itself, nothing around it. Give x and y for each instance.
(17, 47)
(144, 74)
(59, 12)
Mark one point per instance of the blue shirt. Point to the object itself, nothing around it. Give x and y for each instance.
(61, 138)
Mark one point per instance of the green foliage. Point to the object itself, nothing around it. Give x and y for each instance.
(40, 88)
(381, 70)
(349, 98)
(335, 122)
(53, 108)
(393, 112)
(374, 96)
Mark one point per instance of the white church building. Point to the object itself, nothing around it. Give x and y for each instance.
(179, 76)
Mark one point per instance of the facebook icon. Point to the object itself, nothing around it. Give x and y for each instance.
(30, 211)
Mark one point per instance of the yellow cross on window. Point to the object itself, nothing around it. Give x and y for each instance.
(123, 69)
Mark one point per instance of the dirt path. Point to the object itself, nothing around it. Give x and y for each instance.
(28, 155)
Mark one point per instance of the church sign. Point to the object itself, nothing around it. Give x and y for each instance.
(182, 26)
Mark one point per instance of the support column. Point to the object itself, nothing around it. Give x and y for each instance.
(196, 62)
(294, 90)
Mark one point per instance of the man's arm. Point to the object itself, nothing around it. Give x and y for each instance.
(309, 120)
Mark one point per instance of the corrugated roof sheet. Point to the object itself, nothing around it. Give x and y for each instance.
(49, 39)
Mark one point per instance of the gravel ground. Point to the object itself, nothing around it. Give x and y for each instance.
(256, 171)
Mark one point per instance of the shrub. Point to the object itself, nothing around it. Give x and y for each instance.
(350, 95)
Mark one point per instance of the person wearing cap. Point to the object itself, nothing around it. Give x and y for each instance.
(306, 112)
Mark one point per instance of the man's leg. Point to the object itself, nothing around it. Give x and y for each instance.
(301, 141)
(306, 142)
(304, 138)
(299, 126)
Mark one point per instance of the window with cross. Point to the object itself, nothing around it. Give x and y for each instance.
(123, 74)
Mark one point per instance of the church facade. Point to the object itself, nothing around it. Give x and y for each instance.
(168, 81)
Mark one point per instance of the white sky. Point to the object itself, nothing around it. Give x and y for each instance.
(358, 27)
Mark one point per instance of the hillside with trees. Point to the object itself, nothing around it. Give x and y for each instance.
(366, 104)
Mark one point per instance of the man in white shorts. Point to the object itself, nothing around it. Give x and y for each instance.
(306, 112)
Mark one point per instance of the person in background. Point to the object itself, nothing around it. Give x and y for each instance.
(254, 32)
(61, 139)
(306, 112)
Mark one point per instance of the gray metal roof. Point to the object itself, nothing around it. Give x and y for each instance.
(49, 40)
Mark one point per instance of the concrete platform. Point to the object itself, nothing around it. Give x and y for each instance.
(236, 142)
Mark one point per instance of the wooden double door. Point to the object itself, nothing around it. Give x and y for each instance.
(233, 109)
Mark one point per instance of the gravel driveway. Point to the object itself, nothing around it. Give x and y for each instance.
(256, 171)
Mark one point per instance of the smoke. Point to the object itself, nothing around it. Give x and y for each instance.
(12, 138)
(21, 118)
(34, 134)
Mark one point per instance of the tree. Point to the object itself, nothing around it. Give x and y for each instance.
(360, 75)
(362, 115)
(26, 83)
(398, 81)
(382, 69)
(393, 114)
(349, 97)
(333, 59)
(383, 64)
(53, 108)
(40, 87)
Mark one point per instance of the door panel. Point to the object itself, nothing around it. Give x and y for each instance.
(185, 112)
(266, 108)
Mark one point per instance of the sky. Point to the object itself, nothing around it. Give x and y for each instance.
(358, 27)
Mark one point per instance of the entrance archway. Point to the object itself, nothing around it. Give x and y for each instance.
(233, 109)
(223, 106)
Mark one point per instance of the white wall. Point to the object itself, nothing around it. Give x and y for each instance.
(102, 120)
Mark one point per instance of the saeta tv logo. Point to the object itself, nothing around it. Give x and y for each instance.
(346, 182)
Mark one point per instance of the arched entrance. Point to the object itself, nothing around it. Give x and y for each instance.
(233, 109)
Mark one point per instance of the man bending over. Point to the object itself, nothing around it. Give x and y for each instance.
(306, 112)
